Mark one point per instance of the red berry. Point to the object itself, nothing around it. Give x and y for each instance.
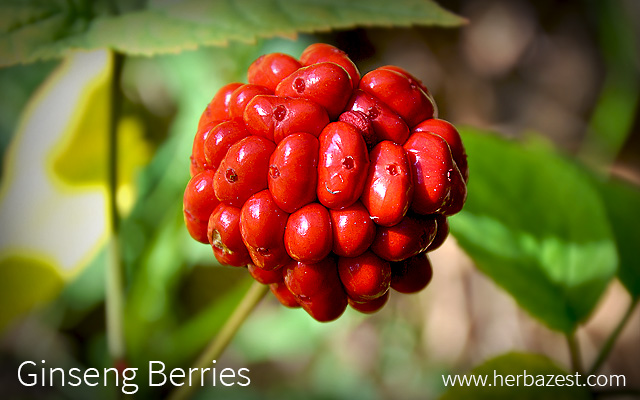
(218, 107)
(275, 117)
(308, 237)
(326, 83)
(269, 69)
(243, 170)
(284, 296)
(224, 235)
(432, 169)
(388, 189)
(353, 230)
(398, 91)
(369, 306)
(264, 276)
(198, 203)
(321, 52)
(362, 123)
(328, 306)
(450, 134)
(405, 239)
(317, 288)
(365, 277)
(458, 194)
(242, 96)
(262, 225)
(293, 171)
(343, 165)
(220, 138)
(442, 231)
(198, 158)
(386, 124)
(413, 80)
(412, 275)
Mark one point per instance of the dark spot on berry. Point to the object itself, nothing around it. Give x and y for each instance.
(231, 175)
(299, 85)
(279, 112)
(392, 169)
(263, 251)
(273, 171)
(373, 112)
(348, 162)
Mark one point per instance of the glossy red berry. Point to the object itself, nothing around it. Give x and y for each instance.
(411, 275)
(432, 169)
(199, 201)
(365, 277)
(386, 124)
(398, 92)
(269, 69)
(409, 237)
(276, 117)
(450, 134)
(326, 83)
(242, 96)
(220, 138)
(317, 288)
(224, 236)
(284, 295)
(388, 189)
(198, 158)
(369, 306)
(343, 165)
(293, 172)
(264, 276)
(353, 230)
(361, 122)
(322, 52)
(218, 107)
(308, 237)
(442, 232)
(262, 225)
(243, 170)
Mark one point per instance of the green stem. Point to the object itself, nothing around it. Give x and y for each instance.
(250, 300)
(114, 274)
(611, 340)
(574, 351)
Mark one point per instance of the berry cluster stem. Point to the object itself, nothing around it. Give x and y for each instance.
(215, 348)
(114, 274)
(574, 351)
(611, 340)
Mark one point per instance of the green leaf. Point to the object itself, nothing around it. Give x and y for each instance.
(34, 30)
(534, 223)
(505, 379)
(623, 202)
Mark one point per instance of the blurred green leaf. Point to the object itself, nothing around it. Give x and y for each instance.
(533, 387)
(535, 224)
(25, 282)
(32, 30)
(623, 202)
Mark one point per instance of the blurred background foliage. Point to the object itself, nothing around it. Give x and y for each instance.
(546, 95)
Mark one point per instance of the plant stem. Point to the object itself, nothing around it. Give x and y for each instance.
(253, 296)
(611, 340)
(114, 274)
(574, 351)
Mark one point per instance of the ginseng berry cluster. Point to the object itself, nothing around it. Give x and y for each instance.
(330, 187)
